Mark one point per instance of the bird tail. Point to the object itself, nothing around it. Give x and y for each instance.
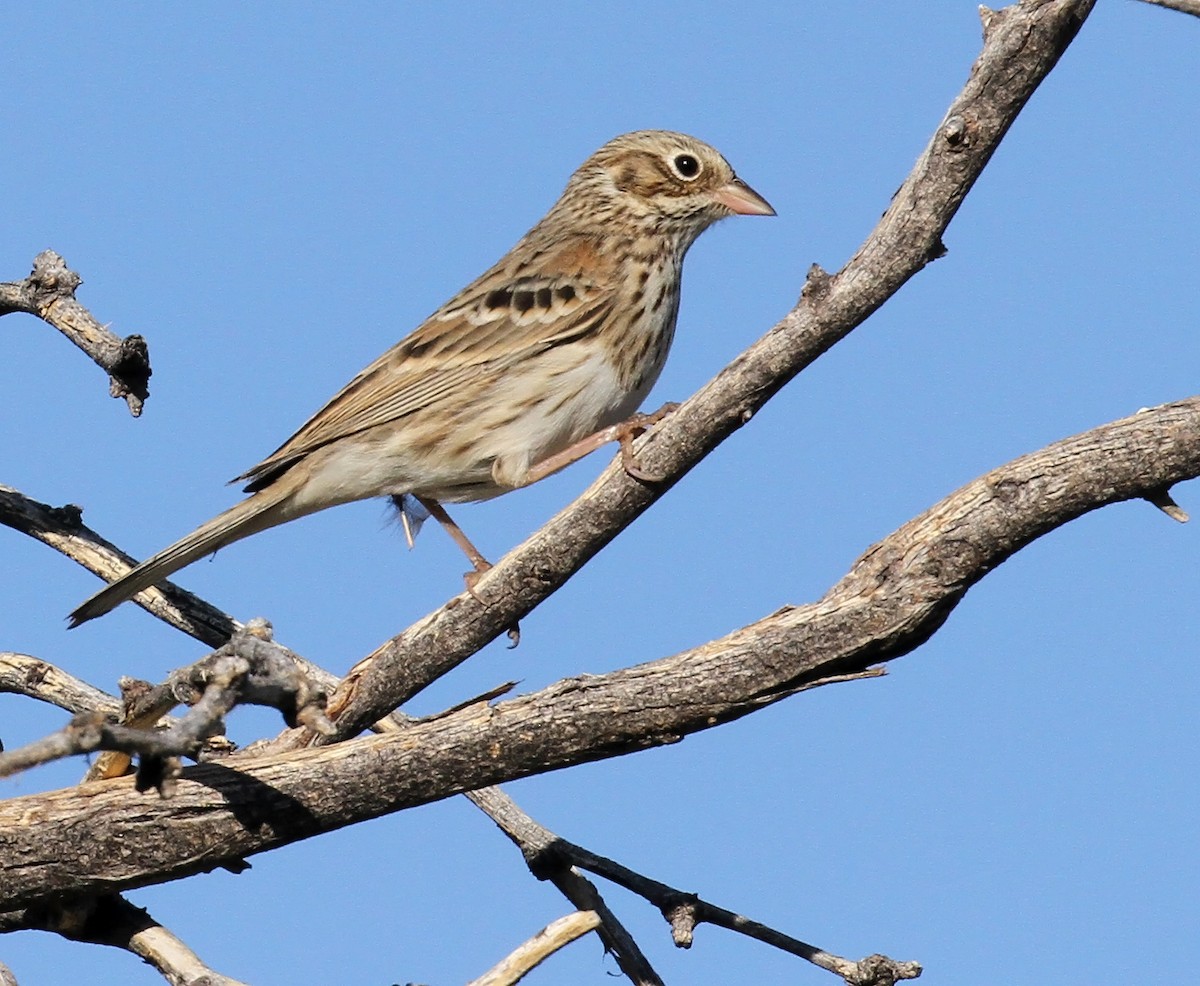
(265, 509)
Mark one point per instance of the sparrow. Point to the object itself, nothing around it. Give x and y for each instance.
(526, 369)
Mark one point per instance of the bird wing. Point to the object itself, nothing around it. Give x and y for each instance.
(509, 314)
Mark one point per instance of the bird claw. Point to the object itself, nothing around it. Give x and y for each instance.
(631, 465)
(634, 428)
(472, 579)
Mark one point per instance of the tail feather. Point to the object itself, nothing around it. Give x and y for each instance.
(265, 509)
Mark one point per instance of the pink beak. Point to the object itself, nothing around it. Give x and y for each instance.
(742, 200)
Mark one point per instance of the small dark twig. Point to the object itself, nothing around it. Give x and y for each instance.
(549, 857)
(49, 293)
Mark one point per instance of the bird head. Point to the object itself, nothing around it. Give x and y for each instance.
(663, 181)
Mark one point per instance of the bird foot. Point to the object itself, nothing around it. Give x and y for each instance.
(633, 428)
(472, 579)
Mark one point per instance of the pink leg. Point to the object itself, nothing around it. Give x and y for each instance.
(624, 432)
(481, 564)
(438, 513)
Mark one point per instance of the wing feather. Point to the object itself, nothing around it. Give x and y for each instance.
(505, 317)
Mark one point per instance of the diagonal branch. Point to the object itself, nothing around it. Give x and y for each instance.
(62, 528)
(894, 598)
(1183, 6)
(1022, 44)
(112, 920)
(551, 857)
(558, 934)
(49, 293)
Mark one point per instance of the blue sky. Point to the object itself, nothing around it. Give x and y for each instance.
(273, 194)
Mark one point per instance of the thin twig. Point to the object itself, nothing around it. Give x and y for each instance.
(62, 528)
(250, 669)
(549, 855)
(527, 956)
(618, 941)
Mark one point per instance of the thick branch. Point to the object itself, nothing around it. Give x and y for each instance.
(26, 675)
(1022, 45)
(895, 596)
(49, 293)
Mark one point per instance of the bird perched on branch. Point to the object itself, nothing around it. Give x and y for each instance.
(526, 369)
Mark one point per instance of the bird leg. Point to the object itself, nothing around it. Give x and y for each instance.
(438, 513)
(624, 432)
(481, 564)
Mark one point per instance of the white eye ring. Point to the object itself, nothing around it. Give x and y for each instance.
(686, 166)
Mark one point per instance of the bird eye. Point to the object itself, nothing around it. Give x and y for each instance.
(686, 166)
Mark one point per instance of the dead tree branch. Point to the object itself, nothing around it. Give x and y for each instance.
(62, 528)
(1183, 6)
(527, 956)
(49, 293)
(248, 670)
(550, 857)
(1022, 44)
(21, 674)
(893, 599)
(112, 920)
